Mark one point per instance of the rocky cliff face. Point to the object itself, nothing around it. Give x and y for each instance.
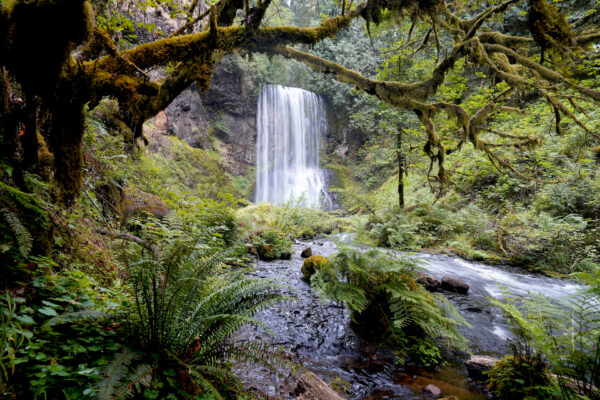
(226, 112)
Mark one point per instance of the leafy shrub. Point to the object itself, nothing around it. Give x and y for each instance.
(24, 225)
(575, 196)
(290, 218)
(385, 301)
(518, 377)
(272, 244)
(561, 244)
(562, 336)
(62, 360)
(13, 336)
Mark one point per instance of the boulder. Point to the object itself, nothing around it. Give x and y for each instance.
(432, 391)
(161, 121)
(478, 364)
(136, 201)
(428, 282)
(452, 284)
(265, 252)
(311, 387)
(307, 252)
(311, 265)
(286, 255)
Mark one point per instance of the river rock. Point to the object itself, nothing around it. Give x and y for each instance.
(433, 391)
(478, 364)
(428, 282)
(311, 387)
(307, 252)
(286, 255)
(452, 284)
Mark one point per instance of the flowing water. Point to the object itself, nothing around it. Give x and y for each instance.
(318, 332)
(290, 124)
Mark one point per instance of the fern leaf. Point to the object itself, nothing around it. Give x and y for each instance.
(22, 234)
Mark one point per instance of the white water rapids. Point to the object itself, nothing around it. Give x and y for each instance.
(290, 123)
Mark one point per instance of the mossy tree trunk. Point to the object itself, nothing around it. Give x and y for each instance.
(401, 158)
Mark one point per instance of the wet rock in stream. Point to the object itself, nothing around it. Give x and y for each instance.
(453, 284)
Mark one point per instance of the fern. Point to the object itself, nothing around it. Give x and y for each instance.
(121, 379)
(187, 309)
(23, 236)
(383, 298)
(75, 317)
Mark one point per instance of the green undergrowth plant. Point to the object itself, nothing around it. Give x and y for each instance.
(69, 336)
(386, 303)
(187, 307)
(563, 338)
(520, 377)
(24, 225)
(467, 231)
(272, 244)
(291, 218)
(562, 244)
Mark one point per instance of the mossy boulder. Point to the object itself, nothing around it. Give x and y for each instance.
(136, 201)
(129, 201)
(272, 245)
(265, 252)
(311, 265)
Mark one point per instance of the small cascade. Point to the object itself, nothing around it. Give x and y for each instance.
(290, 122)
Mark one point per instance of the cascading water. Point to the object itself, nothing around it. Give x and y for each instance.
(290, 122)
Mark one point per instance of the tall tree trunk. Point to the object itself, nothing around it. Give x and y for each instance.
(401, 161)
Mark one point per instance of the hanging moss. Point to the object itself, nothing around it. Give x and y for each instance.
(549, 27)
(42, 33)
(376, 9)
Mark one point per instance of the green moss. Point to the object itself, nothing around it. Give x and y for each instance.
(311, 265)
(548, 26)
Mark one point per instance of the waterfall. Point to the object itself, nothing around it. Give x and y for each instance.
(290, 122)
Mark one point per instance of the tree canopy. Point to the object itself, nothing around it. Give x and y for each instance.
(53, 71)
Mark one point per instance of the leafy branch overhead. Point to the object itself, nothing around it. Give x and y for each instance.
(42, 108)
(514, 61)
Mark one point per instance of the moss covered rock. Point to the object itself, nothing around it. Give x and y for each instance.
(136, 201)
(265, 252)
(311, 265)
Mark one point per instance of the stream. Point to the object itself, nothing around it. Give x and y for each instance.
(318, 334)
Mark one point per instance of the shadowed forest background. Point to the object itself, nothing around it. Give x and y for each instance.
(137, 263)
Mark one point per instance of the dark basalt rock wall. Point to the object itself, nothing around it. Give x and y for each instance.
(227, 112)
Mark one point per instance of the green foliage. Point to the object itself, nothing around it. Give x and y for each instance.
(23, 220)
(290, 218)
(518, 377)
(565, 337)
(562, 244)
(385, 301)
(13, 336)
(272, 244)
(63, 360)
(122, 379)
(186, 312)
